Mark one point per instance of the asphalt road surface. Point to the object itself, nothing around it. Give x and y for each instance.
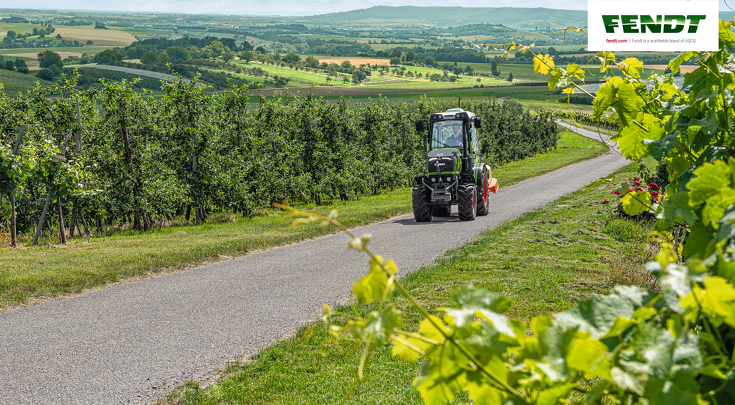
(131, 342)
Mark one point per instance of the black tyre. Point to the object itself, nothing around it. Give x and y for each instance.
(421, 207)
(467, 197)
(442, 211)
(483, 197)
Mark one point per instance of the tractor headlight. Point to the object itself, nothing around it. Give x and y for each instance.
(449, 178)
(433, 179)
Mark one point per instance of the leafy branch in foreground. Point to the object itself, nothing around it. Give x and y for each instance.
(631, 346)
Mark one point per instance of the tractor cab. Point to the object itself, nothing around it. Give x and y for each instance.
(455, 173)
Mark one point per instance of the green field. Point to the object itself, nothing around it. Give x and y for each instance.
(302, 77)
(17, 27)
(15, 82)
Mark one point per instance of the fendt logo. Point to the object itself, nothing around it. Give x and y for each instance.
(653, 25)
(641, 24)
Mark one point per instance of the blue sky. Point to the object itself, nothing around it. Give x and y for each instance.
(280, 7)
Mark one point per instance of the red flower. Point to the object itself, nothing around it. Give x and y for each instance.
(654, 194)
(653, 186)
(616, 192)
(630, 191)
(605, 201)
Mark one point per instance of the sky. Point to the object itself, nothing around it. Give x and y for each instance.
(281, 7)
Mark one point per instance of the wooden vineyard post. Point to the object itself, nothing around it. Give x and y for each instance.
(62, 231)
(13, 225)
(50, 193)
(78, 148)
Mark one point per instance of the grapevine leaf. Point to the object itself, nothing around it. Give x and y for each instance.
(404, 351)
(724, 268)
(675, 63)
(377, 326)
(606, 59)
(716, 205)
(676, 278)
(598, 314)
(631, 142)
(428, 329)
(725, 34)
(681, 390)
(479, 298)
(698, 239)
(374, 284)
(628, 379)
(551, 395)
(585, 355)
(485, 394)
(631, 139)
(711, 177)
(673, 209)
(632, 67)
(636, 202)
(542, 64)
(719, 301)
(564, 78)
(621, 95)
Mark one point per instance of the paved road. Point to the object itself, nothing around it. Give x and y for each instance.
(129, 343)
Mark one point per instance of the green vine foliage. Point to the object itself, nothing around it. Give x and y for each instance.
(630, 346)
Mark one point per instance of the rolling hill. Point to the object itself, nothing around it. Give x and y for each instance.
(453, 16)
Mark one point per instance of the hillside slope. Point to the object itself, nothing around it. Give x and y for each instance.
(452, 16)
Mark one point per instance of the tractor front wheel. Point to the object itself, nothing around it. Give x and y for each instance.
(467, 207)
(421, 207)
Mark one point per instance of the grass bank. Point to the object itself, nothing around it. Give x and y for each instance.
(545, 261)
(28, 274)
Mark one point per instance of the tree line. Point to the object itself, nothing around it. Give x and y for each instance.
(139, 159)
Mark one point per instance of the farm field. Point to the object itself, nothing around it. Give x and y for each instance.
(353, 60)
(311, 367)
(99, 37)
(17, 27)
(34, 55)
(79, 265)
(32, 52)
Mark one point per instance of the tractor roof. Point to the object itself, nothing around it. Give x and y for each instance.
(452, 113)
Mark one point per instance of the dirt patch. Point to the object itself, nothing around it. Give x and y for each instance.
(684, 68)
(355, 61)
(34, 55)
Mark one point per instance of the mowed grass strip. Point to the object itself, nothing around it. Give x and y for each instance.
(30, 273)
(545, 261)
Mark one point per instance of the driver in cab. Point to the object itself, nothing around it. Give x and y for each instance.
(456, 139)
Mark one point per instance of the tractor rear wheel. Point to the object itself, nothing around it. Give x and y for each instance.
(442, 210)
(421, 207)
(483, 199)
(467, 207)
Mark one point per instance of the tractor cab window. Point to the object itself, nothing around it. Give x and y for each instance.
(474, 141)
(447, 134)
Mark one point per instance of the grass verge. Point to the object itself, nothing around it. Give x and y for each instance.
(30, 274)
(545, 261)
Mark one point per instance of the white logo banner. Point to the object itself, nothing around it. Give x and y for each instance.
(672, 26)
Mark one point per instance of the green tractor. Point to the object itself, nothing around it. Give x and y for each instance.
(456, 176)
